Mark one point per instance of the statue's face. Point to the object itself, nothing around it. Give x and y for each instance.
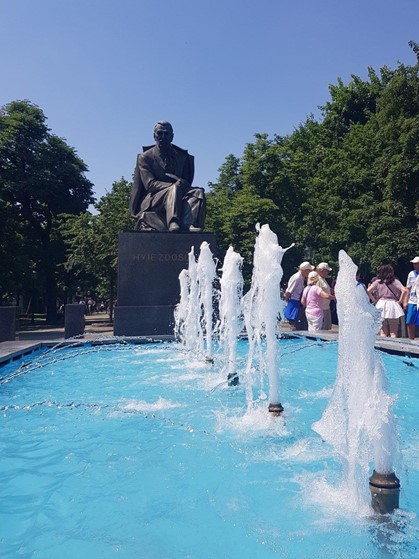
(163, 135)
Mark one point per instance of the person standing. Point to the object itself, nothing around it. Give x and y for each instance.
(323, 269)
(387, 294)
(312, 299)
(411, 299)
(293, 310)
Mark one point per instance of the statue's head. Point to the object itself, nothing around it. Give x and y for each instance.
(163, 134)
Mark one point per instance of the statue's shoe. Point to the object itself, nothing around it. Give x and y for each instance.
(193, 229)
(174, 227)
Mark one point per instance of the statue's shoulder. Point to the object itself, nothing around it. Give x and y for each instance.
(180, 151)
(147, 155)
(183, 154)
(148, 151)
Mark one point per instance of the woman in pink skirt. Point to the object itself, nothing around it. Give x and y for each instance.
(312, 300)
(387, 294)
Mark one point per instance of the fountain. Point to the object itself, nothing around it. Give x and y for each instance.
(187, 320)
(206, 276)
(358, 421)
(194, 313)
(152, 453)
(231, 292)
(262, 307)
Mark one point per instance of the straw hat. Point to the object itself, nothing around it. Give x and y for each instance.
(305, 266)
(312, 277)
(324, 266)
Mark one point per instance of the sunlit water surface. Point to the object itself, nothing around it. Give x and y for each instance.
(143, 452)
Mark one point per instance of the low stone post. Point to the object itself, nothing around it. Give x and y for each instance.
(74, 320)
(7, 323)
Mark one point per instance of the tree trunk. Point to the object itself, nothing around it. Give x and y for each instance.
(51, 296)
(111, 296)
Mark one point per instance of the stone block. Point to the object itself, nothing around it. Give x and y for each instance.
(74, 321)
(149, 265)
(8, 317)
(155, 320)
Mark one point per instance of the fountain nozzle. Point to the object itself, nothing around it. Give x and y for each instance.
(385, 490)
(275, 409)
(232, 379)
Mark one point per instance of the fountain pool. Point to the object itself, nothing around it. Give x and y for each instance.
(138, 451)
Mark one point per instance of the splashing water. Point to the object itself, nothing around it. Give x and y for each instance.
(194, 313)
(231, 284)
(181, 310)
(358, 420)
(187, 318)
(206, 276)
(262, 306)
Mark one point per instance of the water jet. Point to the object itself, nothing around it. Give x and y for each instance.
(358, 421)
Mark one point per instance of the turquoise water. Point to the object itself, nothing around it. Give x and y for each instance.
(142, 452)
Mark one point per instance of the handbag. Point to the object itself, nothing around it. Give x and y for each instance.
(291, 309)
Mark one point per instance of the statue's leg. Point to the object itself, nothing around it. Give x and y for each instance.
(152, 216)
(194, 209)
(151, 221)
(173, 204)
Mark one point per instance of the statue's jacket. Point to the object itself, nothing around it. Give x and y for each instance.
(150, 177)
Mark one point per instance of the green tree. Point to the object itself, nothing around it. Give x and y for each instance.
(92, 240)
(362, 194)
(15, 263)
(246, 210)
(40, 178)
(347, 181)
(219, 200)
(259, 188)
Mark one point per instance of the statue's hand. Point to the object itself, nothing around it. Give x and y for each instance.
(184, 184)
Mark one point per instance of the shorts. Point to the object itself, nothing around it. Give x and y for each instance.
(315, 322)
(412, 315)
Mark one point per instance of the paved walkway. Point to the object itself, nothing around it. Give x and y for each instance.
(99, 329)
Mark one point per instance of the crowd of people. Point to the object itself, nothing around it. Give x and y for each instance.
(309, 298)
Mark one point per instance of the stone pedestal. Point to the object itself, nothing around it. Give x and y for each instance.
(74, 321)
(7, 323)
(149, 265)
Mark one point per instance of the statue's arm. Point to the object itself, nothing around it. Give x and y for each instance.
(150, 182)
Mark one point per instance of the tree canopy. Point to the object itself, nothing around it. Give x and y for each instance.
(40, 178)
(92, 240)
(348, 181)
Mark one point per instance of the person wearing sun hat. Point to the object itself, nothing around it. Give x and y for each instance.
(323, 270)
(293, 311)
(411, 300)
(312, 298)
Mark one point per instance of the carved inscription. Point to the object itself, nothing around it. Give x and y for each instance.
(159, 257)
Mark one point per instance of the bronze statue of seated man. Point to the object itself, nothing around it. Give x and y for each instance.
(162, 196)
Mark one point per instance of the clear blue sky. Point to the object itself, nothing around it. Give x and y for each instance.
(104, 71)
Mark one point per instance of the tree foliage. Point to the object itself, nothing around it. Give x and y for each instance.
(350, 180)
(347, 180)
(40, 178)
(92, 240)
